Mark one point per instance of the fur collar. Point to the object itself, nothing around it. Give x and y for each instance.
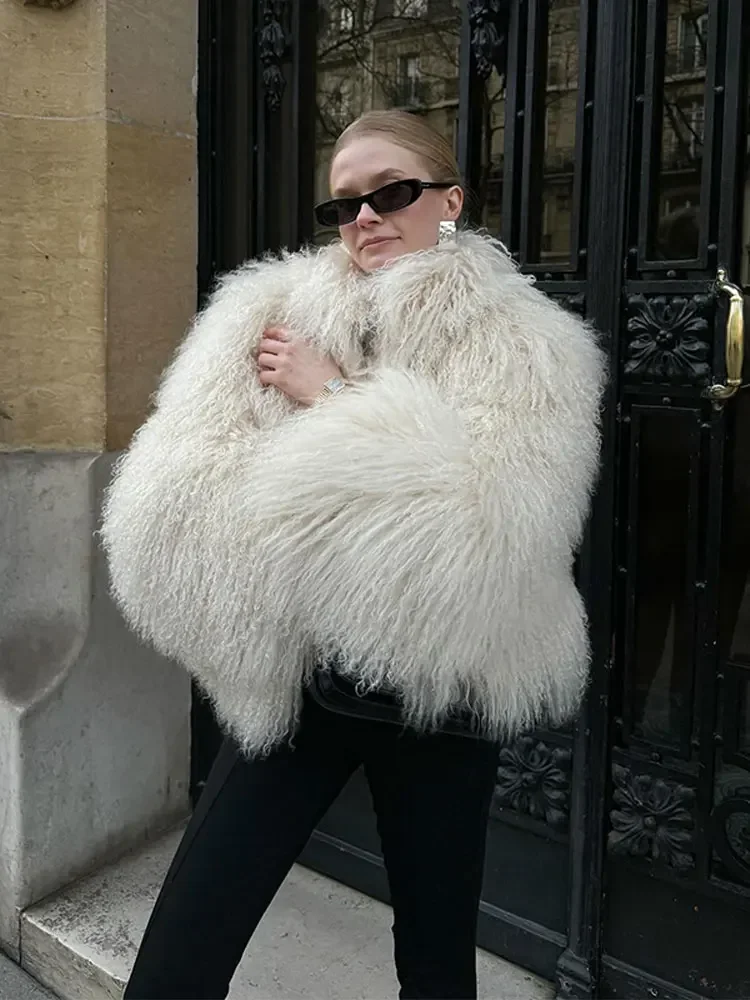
(428, 296)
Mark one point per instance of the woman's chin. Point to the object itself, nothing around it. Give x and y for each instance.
(377, 256)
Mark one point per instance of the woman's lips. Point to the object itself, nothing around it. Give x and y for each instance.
(378, 242)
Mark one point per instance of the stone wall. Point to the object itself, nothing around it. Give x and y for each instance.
(97, 283)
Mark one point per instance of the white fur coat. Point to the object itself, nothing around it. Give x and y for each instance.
(422, 523)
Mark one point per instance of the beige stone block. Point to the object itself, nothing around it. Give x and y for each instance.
(52, 61)
(52, 283)
(152, 63)
(151, 272)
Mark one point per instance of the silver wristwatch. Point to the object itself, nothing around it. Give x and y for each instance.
(330, 388)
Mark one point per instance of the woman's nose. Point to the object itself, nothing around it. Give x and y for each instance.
(367, 215)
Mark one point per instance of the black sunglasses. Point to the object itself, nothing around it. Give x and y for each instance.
(389, 198)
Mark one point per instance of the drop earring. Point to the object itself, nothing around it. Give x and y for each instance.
(446, 231)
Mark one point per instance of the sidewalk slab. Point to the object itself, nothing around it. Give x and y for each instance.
(15, 984)
(319, 940)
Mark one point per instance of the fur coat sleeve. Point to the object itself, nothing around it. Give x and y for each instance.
(176, 552)
(421, 525)
(424, 523)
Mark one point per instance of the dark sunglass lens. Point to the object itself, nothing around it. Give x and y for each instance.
(340, 212)
(327, 214)
(347, 210)
(393, 197)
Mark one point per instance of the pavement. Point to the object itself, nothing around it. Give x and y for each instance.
(319, 940)
(16, 985)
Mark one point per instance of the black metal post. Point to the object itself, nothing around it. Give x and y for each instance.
(578, 967)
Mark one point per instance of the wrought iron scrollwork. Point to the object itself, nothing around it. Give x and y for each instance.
(731, 833)
(575, 303)
(272, 46)
(653, 819)
(489, 32)
(668, 338)
(534, 778)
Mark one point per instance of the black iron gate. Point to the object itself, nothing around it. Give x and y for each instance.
(606, 142)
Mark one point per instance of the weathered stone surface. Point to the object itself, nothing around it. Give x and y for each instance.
(97, 284)
(52, 339)
(98, 245)
(53, 62)
(151, 261)
(94, 728)
(151, 65)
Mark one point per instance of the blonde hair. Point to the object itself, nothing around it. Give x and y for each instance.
(410, 132)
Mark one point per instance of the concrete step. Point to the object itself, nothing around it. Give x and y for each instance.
(319, 940)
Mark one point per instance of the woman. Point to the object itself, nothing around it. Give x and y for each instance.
(377, 454)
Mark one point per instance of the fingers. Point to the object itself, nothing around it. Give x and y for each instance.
(276, 333)
(267, 360)
(267, 346)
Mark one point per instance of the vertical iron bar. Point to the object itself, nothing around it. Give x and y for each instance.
(471, 98)
(514, 125)
(653, 101)
(532, 184)
(713, 91)
(735, 129)
(238, 119)
(260, 149)
(584, 106)
(692, 580)
(626, 676)
(302, 139)
(707, 653)
(578, 967)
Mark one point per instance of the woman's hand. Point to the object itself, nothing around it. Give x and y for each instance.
(294, 366)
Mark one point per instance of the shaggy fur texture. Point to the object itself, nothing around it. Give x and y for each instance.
(422, 523)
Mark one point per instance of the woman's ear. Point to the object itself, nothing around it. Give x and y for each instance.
(454, 203)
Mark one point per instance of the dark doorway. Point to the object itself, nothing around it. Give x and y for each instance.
(606, 142)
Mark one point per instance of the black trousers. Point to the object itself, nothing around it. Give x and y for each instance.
(431, 795)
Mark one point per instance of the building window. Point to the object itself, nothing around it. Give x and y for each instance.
(340, 104)
(694, 124)
(692, 41)
(409, 80)
(409, 8)
(685, 125)
(675, 204)
(546, 226)
(346, 19)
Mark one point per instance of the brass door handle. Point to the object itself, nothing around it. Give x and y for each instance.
(735, 341)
